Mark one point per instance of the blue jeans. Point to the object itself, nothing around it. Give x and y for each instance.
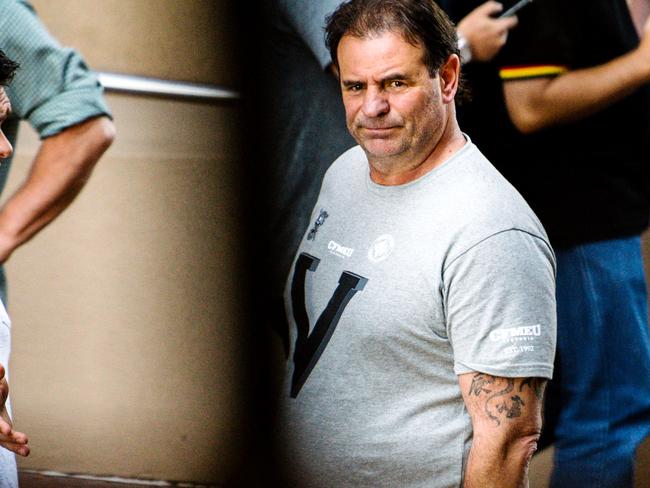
(598, 404)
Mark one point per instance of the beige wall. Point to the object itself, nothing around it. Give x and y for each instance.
(189, 40)
(126, 311)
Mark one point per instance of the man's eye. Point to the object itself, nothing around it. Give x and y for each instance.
(396, 84)
(355, 87)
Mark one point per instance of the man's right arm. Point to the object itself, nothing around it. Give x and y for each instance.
(538, 103)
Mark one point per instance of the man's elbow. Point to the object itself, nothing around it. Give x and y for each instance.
(517, 444)
(526, 121)
(524, 446)
(106, 133)
(529, 105)
(85, 143)
(98, 138)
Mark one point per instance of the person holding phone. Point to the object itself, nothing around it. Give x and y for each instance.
(564, 114)
(484, 30)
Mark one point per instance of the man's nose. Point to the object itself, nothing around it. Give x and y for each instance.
(5, 146)
(375, 103)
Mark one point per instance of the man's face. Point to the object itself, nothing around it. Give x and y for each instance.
(5, 111)
(393, 106)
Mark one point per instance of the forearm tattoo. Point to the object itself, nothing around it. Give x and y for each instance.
(500, 394)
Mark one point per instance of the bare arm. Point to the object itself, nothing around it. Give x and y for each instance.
(539, 103)
(506, 418)
(60, 170)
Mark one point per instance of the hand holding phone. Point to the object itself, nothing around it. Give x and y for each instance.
(484, 31)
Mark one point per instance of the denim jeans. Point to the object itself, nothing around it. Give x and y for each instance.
(598, 404)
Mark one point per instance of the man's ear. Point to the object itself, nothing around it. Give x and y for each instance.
(449, 76)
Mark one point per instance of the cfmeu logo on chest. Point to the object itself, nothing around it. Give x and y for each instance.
(339, 250)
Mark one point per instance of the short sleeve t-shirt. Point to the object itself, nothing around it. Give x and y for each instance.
(394, 292)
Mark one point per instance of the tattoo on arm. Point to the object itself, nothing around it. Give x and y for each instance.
(499, 401)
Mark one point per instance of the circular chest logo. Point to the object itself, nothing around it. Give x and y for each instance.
(381, 248)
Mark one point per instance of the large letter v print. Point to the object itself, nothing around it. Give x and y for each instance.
(309, 347)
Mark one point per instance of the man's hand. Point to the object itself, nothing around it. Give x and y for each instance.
(486, 34)
(10, 439)
(506, 418)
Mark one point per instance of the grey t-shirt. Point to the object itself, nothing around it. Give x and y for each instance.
(395, 291)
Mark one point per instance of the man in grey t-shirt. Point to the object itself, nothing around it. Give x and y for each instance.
(304, 129)
(422, 296)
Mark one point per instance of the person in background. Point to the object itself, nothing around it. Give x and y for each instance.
(12, 441)
(564, 113)
(56, 93)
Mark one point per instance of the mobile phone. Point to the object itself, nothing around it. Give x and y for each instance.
(515, 8)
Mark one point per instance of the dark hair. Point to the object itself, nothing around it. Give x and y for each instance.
(7, 69)
(420, 22)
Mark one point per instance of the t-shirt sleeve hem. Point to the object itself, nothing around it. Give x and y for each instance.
(536, 370)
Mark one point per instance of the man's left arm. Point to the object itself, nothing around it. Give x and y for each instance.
(63, 101)
(59, 171)
(501, 314)
(506, 418)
